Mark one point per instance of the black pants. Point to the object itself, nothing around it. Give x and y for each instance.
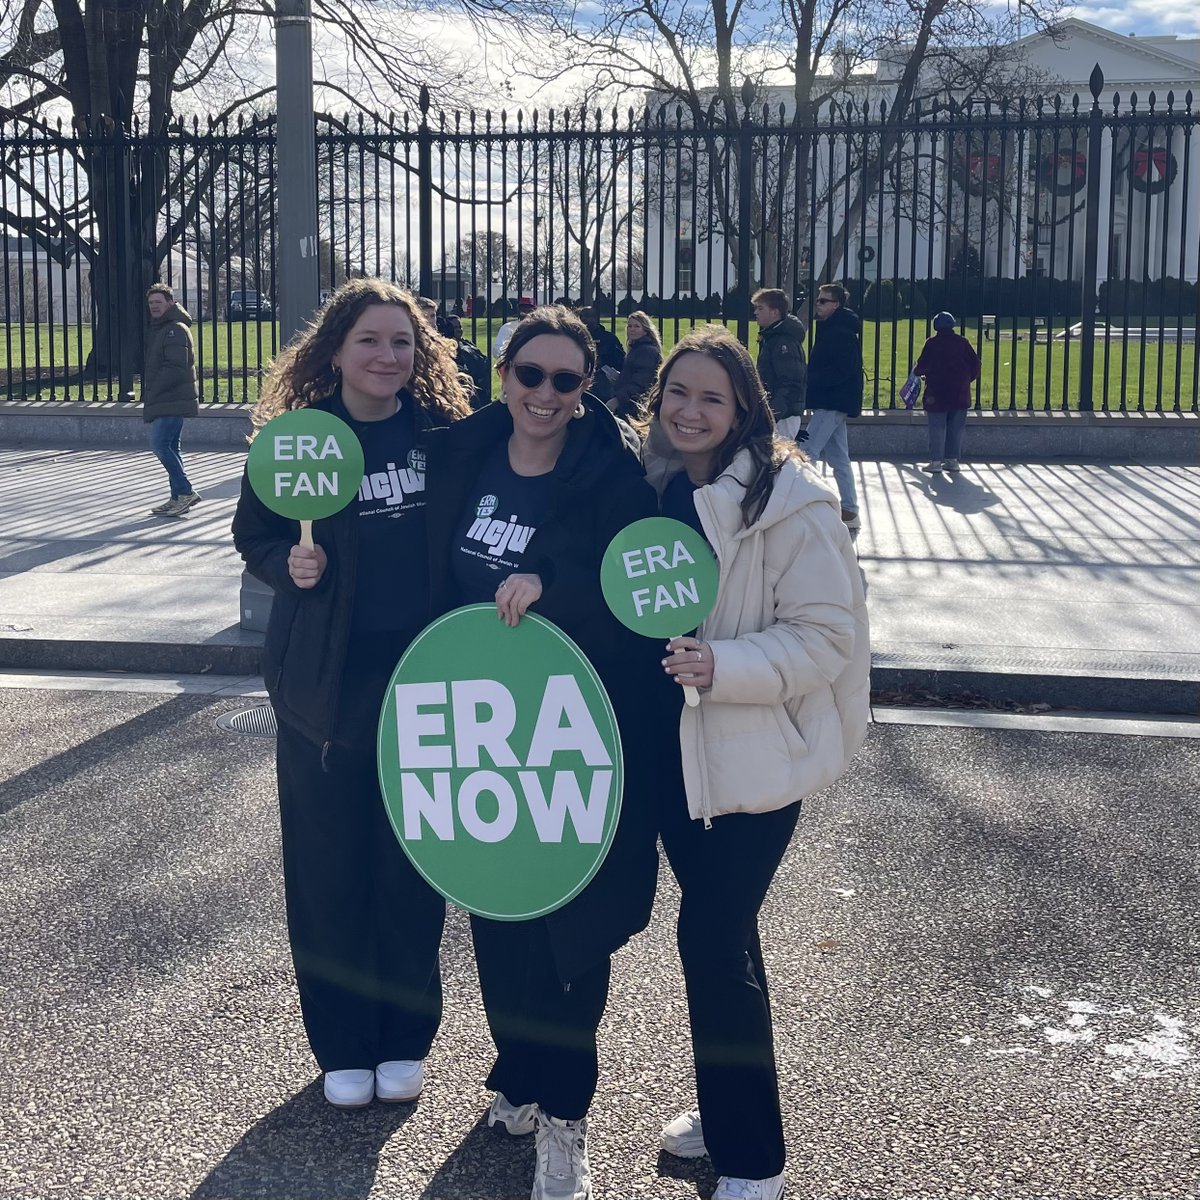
(724, 873)
(365, 928)
(545, 1031)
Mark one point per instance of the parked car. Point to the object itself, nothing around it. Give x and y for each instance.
(249, 306)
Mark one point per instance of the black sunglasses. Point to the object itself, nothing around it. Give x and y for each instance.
(563, 382)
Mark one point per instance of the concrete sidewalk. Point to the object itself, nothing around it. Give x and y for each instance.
(1070, 585)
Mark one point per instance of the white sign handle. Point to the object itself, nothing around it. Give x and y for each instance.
(306, 535)
(691, 696)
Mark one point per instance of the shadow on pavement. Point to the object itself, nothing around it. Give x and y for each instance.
(486, 1165)
(698, 1170)
(306, 1150)
(955, 491)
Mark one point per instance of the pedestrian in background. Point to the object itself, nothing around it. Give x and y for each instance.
(643, 354)
(949, 365)
(471, 361)
(782, 366)
(610, 354)
(169, 392)
(835, 390)
(364, 927)
(782, 665)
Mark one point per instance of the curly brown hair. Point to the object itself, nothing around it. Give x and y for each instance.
(303, 372)
(754, 424)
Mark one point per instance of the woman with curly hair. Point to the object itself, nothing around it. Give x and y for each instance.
(364, 927)
(782, 666)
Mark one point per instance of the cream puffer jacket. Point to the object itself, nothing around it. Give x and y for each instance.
(790, 699)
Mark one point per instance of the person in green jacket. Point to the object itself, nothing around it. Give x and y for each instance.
(169, 392)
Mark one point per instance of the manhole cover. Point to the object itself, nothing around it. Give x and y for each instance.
(257, 721)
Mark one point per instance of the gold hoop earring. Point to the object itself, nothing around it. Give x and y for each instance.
(504, 398)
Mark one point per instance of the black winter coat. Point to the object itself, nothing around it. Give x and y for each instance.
(598, 489)
(637, 377)
(609, 353)
(308, 633)
(169, 386)
(835, 367)
(782, 366)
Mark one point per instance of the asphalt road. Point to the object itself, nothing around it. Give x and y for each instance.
(983, 944)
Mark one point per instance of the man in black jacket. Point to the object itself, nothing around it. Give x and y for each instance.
(610, 354)
(835, 390)
(470, 359)
(781, 361)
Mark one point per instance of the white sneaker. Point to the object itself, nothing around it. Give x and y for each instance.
(400, 1080)
(350, 1089)
(729, 1188)
(684, 1137)
(515, 1119)
(562, 1163)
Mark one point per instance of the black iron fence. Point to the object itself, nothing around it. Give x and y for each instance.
(1060, 232)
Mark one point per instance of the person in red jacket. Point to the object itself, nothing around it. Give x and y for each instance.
(949, 365)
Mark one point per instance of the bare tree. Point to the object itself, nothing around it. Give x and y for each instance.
(717, 61)
(119, 65)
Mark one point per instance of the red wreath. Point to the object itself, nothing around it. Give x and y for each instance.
(1154, 169)
(978, 171)
(1052, 169)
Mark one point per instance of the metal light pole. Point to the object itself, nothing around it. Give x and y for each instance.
(298, 280)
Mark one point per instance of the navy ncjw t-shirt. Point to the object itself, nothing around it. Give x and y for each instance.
(391, 591)
(502, 512)
(679, 502)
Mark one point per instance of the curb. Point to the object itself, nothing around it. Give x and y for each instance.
(1106, 437)
(1109, 693)
(1114, 693)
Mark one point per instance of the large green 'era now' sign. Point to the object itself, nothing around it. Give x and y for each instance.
(500, 763)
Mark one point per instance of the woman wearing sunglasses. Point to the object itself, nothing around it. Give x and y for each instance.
(559, 475)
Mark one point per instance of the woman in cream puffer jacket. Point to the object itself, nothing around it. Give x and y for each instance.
(782, 665)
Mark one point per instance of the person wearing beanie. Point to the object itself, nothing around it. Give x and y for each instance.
(949, 365)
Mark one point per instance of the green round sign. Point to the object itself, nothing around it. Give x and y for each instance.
(659, 577)
(305, 464)
(500, 763)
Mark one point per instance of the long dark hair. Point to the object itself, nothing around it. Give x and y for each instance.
(303, 373)
(754, 424)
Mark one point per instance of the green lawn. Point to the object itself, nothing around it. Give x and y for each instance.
(1016, 374)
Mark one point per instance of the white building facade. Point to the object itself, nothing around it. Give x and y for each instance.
(989, 190)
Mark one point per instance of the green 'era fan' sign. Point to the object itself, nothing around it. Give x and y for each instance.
(305, 464)
(660, 578)
(500, 763)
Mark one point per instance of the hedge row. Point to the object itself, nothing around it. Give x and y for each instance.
(966, 297)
